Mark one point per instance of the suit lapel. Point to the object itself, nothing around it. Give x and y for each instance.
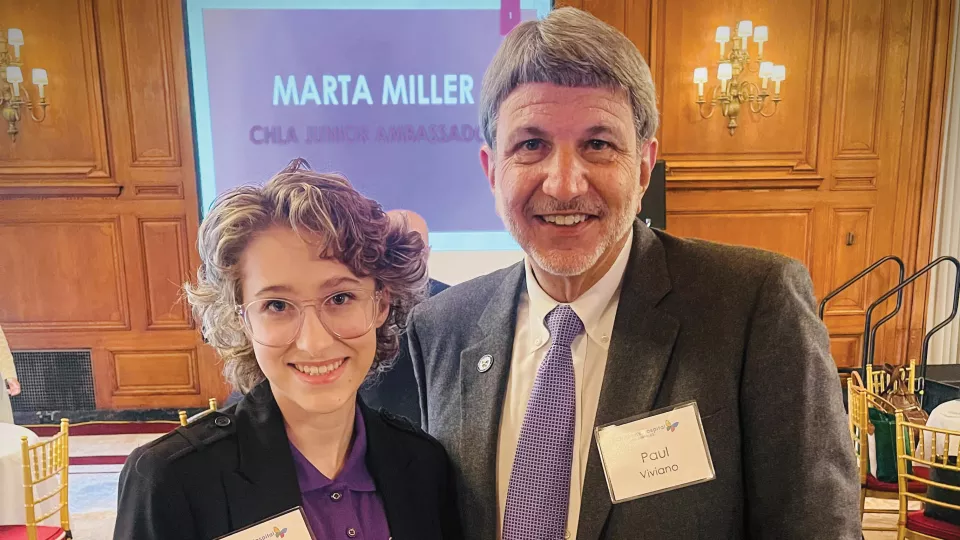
(388, 463)
(643, 338)
(265, 482)
(482, 396)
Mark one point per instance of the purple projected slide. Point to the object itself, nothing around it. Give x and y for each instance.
(387, 97)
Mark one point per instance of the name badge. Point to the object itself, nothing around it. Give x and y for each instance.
(654, 452)
(290, 525)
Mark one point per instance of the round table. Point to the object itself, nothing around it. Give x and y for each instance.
(11, 474)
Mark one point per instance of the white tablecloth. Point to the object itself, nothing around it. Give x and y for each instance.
(11, 477)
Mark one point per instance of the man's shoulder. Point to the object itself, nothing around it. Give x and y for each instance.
(463, 298)
(435, 287)
(726, 260)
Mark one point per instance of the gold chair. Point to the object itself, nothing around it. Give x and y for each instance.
(860, 401)
(917, 524)
(877, 381)
(212, 408)
(41, 462)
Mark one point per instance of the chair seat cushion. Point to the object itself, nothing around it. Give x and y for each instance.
(877, 485)
(19, 532)
(918, 522)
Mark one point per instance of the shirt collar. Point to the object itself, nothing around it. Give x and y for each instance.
(354, 474)
(593, 306)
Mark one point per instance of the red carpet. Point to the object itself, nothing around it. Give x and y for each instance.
(87, 429)
(105, 428)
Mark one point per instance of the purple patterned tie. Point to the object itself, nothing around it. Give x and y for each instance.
(538, 495)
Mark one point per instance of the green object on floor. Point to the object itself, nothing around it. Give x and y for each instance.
(884, 433)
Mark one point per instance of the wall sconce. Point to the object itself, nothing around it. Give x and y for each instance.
(13, 93)
(733, 90)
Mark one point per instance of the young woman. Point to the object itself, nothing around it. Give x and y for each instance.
(303, 290)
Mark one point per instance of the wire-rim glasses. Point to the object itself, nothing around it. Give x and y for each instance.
(276, 322)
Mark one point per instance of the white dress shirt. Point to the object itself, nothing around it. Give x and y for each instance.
(597, 308)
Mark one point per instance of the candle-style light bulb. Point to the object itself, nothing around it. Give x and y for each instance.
(15, 38)
(766, 70)
(700, 77)
(778, 76)
(760, 37)
(15, 77)
(723, 36)
(744, 30)
(40, 79)
(724, 74)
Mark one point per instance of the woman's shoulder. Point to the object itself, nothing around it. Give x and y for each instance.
(193, 449)
(404, 432)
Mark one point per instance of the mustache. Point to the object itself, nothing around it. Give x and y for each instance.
(580, 205)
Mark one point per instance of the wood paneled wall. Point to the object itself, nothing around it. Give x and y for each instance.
(98, 205)
(845, 172)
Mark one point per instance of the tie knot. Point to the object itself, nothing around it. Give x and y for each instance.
(564, 325)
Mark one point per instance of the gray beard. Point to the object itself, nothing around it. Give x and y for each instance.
(557, 263)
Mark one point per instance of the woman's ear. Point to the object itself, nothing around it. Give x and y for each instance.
(243, 325)
(384, 310)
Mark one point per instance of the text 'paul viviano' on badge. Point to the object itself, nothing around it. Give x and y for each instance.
(655, 452)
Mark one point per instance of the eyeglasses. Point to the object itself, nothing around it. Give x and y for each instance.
(276, 322)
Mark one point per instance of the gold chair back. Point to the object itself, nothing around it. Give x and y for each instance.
(212, 402)
(858, 421)
(41, 462)
(928, 452)
(859, 401)
(877, 380)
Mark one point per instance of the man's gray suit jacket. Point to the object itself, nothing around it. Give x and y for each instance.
(733, 328)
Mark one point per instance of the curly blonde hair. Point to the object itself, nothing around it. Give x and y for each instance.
(322, 208)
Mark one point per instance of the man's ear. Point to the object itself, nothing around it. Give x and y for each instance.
(486, 161)
(648, 160)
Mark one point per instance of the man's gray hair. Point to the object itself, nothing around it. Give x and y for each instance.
(569, 48)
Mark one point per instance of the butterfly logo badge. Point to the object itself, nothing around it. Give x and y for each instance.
(672, 427)
(279, 533)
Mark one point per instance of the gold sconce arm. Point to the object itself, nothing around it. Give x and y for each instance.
(42, 105)
(711, 108)
(776, 105)
(758, 100)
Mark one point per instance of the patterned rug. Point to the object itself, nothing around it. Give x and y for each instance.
(93, 501)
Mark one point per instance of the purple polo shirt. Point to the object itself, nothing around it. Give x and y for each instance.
(347, 507)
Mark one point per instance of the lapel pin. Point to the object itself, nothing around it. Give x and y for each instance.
(486, 361)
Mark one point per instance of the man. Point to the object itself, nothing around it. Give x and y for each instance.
(9, 384)
(396, 389)
(607, 319)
